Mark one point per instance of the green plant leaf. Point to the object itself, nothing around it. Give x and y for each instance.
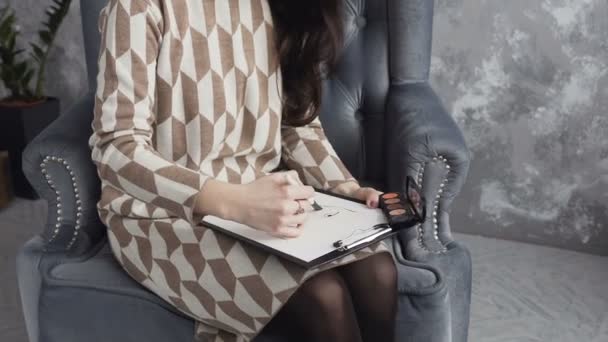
(56, 13)
(27, 78)
(28, 94)
(17, 69)
(21, 68)
(7, 25)
(37, 51)
(18, 52)
(45, 36)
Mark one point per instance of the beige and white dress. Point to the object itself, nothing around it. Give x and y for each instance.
(190, 90)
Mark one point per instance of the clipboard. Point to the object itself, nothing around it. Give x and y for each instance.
(344, 226)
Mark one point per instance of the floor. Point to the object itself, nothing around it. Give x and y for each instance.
(521, 292)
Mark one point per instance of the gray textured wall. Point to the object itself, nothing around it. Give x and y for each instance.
(527, 81)
(66, 76)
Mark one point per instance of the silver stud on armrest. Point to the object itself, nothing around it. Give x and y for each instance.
(64, 163)
(435, 206)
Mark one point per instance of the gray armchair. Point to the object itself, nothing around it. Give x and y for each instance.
(385, 123)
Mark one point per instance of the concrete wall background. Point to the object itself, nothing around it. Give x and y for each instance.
(527, 81)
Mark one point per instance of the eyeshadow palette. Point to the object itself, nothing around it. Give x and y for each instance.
(398, 210)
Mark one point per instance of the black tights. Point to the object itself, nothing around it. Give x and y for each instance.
(352, 303)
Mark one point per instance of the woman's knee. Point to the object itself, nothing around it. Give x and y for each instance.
(374, 286)
(328, 294)
(384, 273)
(376, 272)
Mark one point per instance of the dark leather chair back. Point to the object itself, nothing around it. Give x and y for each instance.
(386, 42)
(89, 11)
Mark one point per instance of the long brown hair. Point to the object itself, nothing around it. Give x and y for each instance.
(309, 36)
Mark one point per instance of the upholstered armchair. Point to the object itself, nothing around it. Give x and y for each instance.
(383, 119)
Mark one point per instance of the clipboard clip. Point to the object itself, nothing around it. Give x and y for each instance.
(381, 228)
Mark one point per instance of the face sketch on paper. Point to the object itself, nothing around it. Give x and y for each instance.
(333, 210)
(328, 211)
(340, 219)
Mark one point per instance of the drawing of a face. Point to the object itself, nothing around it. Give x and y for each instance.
(333, 210)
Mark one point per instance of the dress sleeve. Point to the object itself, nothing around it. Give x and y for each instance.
(124, 113)
(307, 150)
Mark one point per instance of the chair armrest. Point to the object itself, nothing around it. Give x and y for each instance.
(425, 143)
(58, 165)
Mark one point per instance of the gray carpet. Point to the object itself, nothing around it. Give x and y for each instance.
(521, 292)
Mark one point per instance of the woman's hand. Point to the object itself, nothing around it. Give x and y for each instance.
(352, 189)
(270, 203)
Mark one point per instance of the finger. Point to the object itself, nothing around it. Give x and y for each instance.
(299, 203)
(372, 201)
(299, 191)
(295, 176)
(287, 178)
(371, 197)
(295, 220)
(288, 232)
(289, 207)
(280, 178)
(368, 199)
(360, 194)
(306, 205)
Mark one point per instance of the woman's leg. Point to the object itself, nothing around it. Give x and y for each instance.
(320, 310)
(373, 286)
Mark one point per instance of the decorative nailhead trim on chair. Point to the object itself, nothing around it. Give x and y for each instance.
(64, 163)
(420, 228)
(437, 198)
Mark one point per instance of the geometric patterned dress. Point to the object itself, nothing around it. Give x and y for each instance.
(190, 90)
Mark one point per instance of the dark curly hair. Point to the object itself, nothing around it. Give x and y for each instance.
(309, 35)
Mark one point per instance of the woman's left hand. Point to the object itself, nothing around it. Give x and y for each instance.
(367, 194)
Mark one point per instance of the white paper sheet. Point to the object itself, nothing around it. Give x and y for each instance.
(339, 220)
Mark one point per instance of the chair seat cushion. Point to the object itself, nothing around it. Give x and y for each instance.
(101, 271)
(91, 298)
(96, 294)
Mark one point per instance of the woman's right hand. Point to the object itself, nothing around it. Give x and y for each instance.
(270, 204)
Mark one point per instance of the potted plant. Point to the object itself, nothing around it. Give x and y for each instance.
(26, 110)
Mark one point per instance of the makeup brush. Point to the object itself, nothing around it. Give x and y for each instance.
(312, 202)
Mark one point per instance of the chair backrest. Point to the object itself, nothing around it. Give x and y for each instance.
(90, 10)
(386, 42)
